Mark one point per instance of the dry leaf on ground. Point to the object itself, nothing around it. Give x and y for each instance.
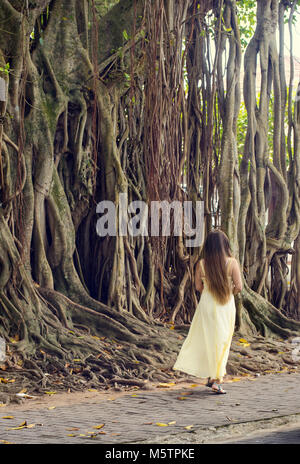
(98, 426)
(166, 385)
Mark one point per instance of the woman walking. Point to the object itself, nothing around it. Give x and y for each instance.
(205, 351)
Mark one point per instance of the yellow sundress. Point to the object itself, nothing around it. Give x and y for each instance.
(205, 351)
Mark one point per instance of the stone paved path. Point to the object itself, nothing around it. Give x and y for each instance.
(133, 418)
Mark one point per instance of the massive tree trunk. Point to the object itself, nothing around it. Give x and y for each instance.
(271, 225)
(64, 291)
(97, 108)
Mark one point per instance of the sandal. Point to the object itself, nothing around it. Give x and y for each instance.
(209, 382)
(219, 390)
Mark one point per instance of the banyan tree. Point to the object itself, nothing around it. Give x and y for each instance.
(142, 98)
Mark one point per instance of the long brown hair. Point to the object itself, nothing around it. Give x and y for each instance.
(215, 251)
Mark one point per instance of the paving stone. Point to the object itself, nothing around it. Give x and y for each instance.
(128, 418)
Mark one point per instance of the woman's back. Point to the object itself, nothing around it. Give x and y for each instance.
(232, 271)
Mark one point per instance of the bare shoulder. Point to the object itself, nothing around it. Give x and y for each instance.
(233, 263)
(232, 259)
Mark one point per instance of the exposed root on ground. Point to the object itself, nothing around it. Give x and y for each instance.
(119, 366)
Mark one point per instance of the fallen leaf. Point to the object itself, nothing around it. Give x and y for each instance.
(194, 385)
(72, 429)
(52, 407)
(50, 393)
(166, 385)
(23, 425)
(16, 428)
(172, 423)
(24, 395)
(161, 424)
(188, 427)
(98, 426)
(243, 342)
(3, 380)
(147, 423)
(181, 398)
(8, 417)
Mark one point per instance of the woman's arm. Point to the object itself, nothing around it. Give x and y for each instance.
(236, 277)
(198, 279)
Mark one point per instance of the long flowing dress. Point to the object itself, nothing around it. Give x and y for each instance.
(205, 351)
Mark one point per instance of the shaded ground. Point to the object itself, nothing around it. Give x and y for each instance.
(248, 358)
(283, 435)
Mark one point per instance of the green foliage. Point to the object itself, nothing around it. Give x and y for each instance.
(125, 35)
(246, 12)
(5, 69)
(242, 123)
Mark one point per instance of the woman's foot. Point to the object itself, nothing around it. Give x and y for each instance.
(217, 388)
